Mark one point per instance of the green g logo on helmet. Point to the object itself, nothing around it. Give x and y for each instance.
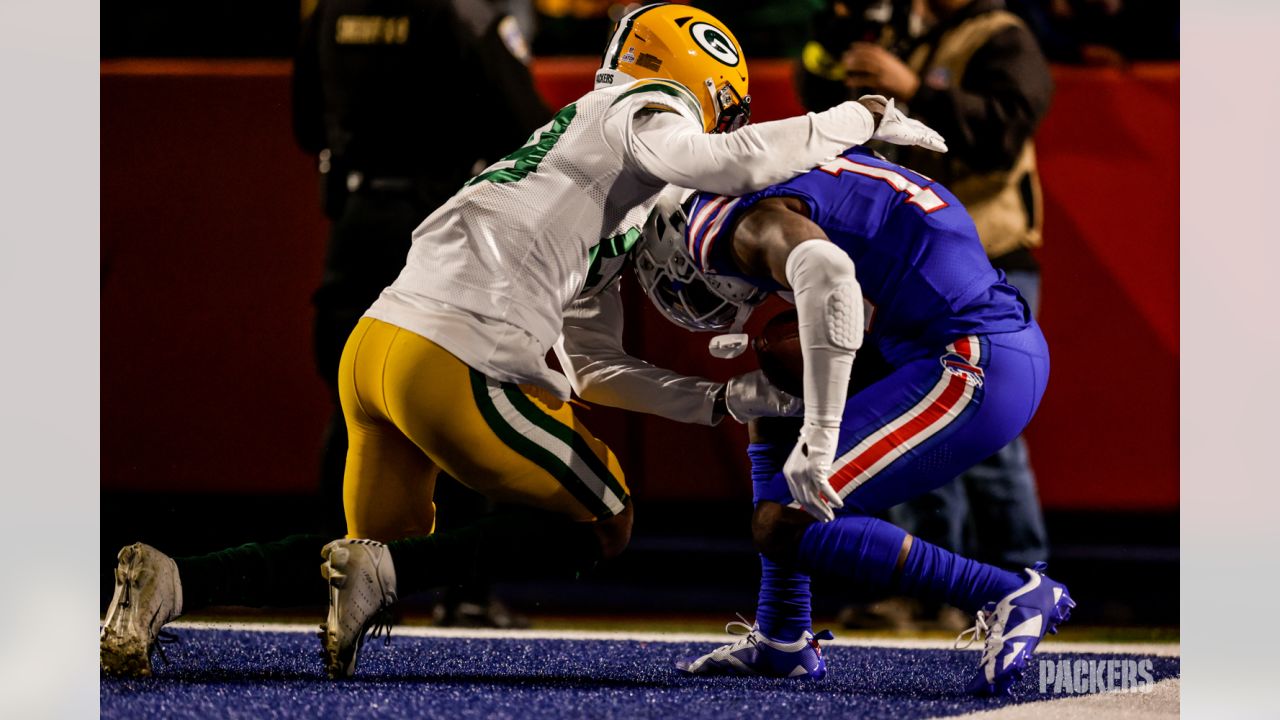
(710, 38)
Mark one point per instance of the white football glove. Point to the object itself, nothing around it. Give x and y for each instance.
(899, 129)
(808, 471)
(751, 395)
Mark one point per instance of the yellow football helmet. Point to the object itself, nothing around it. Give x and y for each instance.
(689, 46)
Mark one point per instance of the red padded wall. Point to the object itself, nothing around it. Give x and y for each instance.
(212, 241)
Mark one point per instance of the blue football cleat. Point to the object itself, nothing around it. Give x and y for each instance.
(1013, 627)
(757, 654)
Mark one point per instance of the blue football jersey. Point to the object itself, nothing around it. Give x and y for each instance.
(922, 269)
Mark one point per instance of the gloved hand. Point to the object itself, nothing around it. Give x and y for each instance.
(751, 395)
(808, 471)
(899, 129)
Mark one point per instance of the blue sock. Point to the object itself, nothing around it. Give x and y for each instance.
(782, 609)
(861, 548)
(931, 573)
(865, 550)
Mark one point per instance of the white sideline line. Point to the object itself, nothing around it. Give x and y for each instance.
(1164, 701)
(1057, 646)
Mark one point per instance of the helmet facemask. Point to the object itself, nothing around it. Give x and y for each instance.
(732, 110)
(691, 299)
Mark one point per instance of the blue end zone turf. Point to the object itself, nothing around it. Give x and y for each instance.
(225, 673)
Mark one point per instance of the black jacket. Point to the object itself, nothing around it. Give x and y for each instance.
(411, 87)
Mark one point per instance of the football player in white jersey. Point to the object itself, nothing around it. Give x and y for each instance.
(447, 370)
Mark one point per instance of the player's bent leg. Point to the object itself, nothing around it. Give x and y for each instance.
(780, 643)
(566, 505)
(902, 436)
(881, 556)
(1011, 611)
(511, 443)
(389, 482)
(389, 485)
(567, 501)
(387, 494)
(782, 607)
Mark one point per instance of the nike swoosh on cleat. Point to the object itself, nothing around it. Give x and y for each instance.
(1031, 627)
(1031, 585)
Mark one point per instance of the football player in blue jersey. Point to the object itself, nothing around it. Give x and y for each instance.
(870, 253)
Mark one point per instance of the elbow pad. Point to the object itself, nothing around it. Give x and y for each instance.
(829, 305)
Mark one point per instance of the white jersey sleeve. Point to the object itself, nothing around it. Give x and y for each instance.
(601, 371)
(670, 147)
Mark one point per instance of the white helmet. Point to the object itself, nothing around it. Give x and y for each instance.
(689, 298)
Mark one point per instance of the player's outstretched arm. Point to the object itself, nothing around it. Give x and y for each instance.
(669, 148)
(601, 371)
(777, 239)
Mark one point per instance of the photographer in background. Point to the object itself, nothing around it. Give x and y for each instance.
(401, 101)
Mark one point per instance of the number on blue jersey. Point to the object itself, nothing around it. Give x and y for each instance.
(924, 198)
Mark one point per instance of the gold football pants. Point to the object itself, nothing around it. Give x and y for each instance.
(413, 409)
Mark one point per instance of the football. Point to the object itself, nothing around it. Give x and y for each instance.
(777, 349)
(778, 352)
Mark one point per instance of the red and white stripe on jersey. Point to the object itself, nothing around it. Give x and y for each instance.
(704, 226)
(938, 409)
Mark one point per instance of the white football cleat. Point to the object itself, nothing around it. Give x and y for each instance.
(758, 654)
(148, 595)
(1013, 627)
(362, 586)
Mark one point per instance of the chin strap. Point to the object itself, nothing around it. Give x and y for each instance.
(733, 343)
(729, 345)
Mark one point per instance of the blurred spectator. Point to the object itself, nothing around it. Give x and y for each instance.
(401, 101)
(978, 77)
(821, 77)
(575, 27)
(1073, 31)
(1102, 32)
(766, 28)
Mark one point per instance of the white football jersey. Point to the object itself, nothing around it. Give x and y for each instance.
(491, 272)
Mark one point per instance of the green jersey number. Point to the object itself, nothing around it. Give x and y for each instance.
(608, 259)
(528, 157)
